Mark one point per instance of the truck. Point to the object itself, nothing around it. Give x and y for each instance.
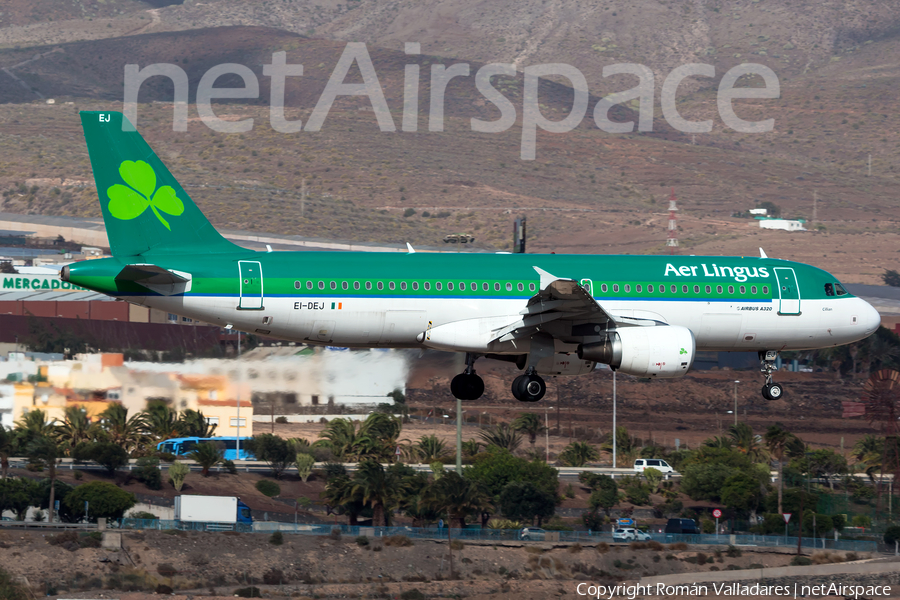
(220, 510)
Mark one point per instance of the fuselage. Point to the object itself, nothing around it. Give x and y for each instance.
(389, 299)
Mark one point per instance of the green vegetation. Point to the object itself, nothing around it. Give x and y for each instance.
(268, 488)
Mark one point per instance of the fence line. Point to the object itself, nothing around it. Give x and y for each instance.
(499, 535)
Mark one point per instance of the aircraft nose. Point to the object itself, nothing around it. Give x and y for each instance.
(869, 318)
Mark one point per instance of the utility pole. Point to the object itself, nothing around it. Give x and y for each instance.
(459, 413)
(815, 207)
(547, 435)
(735, 402)
(614, 418)
(302, 196)
(238, 437)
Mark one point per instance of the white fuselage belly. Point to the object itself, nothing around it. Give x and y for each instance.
(395, 322)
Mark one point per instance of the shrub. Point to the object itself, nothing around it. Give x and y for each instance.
(892, 534)
(104, 500)
(304, 465)
(733, 552)
(177, 474)
(575, 548)
(229, 466)
(333, 469)
(276, 539)
(862, 521)
(398, 540)
(570, 491)
(655, 546)
(141, 514)
(281, 420)
(166, 570)
(163, 589)
(275, 577)
(248, 592)
(148, 472)
(362, 541)
(268, 488)
(413, 594)
(457, 545)
(678, 546)
(702, 558)
(801, 561)
(335, 533)
(602, 547)
(78, 475)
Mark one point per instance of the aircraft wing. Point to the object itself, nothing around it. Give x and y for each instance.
(566, 310)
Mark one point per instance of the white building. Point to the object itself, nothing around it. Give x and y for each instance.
(783, 224)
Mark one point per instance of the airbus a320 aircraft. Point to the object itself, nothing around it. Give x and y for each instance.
(549, 314)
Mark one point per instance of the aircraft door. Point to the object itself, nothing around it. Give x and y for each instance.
(788, 291)
(251, 285)
(588, 285)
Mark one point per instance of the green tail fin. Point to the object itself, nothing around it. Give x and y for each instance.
(145, 210)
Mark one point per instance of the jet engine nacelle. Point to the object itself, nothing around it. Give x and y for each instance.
(663, 351)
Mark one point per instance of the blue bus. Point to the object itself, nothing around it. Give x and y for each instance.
(185, 445)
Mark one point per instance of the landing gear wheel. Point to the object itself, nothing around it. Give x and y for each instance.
(529, 387)
(773, 391)
(467, 386)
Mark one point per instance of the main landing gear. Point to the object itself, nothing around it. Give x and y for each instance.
(771, 390)
(529, 387)
(467, 385)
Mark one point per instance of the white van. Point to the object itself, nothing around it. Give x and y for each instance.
(657, 463)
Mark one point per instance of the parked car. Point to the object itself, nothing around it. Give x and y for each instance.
(682, 526)
(533, 533)
(657, 463)
(630, 534)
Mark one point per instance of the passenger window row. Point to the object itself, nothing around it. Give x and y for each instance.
(450, 286)
(673, 289)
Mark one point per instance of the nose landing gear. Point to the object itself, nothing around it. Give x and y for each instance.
(771, 390)
(467, 385)
(529, 387)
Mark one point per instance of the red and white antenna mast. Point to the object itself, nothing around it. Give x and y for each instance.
(672, 241)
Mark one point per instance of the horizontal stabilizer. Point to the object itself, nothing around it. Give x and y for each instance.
(152, 274)
(155, 278)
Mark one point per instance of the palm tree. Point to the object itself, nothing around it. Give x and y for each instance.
(746, 442)
(342, 438)
(373, 485)
(76, 427)
(502, 436)
(471, 447)
(868, 452)
(9, 446)
(162, 421)
(530, 424)
(378, 436)
(192, 423)
(207, 456)
(577, 454)
(47, 451)
(625, 444)
(119, 428)
(341, 497)
(718, 442)
(779, 442)
(456, 496)
(34, 424)
(430, 448)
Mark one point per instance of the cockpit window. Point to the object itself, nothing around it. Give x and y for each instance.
(840, 289)
(829, 289)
